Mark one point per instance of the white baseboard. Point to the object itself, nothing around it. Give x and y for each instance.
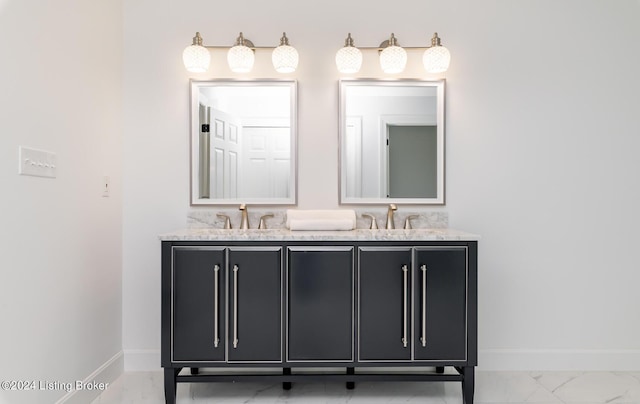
(107, 373)
(558, 360)
(136, 360)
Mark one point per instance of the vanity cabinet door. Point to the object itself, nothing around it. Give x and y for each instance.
(255, 304)
(320, 304)
(440, 301)
(384, 279)
(198, 299)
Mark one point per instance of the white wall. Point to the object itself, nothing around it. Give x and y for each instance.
(61, 242)
(542, 132)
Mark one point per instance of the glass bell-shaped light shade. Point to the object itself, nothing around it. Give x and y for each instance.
(436, 59)
(393, 58)
(196, 58)
(349, 58)
(240, 57)
(285, 57)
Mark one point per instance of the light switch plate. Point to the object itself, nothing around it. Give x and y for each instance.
(38, 163)
(105, 186)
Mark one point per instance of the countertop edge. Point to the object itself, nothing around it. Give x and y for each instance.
(445, 234)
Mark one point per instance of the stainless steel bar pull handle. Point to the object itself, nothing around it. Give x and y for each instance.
(405, 272)
(423, 338)
(216, 331)
(235, 306)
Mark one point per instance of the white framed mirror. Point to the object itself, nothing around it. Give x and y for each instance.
(243, 142)
(392, 141)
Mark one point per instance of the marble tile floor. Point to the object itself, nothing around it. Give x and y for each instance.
(491, 387)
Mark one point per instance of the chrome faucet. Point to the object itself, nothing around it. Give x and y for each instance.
(390, 223)
(244, 223)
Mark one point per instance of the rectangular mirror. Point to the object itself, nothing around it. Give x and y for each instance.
(391, 141)
(243, 142)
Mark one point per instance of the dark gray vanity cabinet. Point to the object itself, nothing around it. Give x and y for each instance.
(412, 304)
(320, 304)
(226, 304)
(281, 309)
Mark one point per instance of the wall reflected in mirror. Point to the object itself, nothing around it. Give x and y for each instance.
(392, 141)
(243, 142)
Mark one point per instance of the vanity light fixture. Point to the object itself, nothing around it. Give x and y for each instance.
(393, 58)
(349, 58)
(241, 56)
(285, 57)
(196, 58)
(436, 58)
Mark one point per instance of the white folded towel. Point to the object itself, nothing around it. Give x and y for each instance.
(320, 224)
(343, 219)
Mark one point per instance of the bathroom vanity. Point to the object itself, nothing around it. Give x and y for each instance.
(343, 306)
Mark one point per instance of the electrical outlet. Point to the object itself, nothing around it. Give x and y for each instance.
(106, 186)
(38, 163)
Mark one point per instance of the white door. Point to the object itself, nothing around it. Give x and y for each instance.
(225, 147)
(353, 157)
(266, 162)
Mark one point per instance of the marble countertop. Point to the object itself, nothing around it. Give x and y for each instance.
(204, 234)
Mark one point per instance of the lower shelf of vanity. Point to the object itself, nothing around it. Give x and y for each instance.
(349, 376)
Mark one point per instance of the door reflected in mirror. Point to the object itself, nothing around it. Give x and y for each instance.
(392, 141)
(243, 138)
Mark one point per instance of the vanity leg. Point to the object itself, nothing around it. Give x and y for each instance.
(170, 384)
(351, 385)
(286, 385)
(195, 371)
(468, 384)
(439, 369)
